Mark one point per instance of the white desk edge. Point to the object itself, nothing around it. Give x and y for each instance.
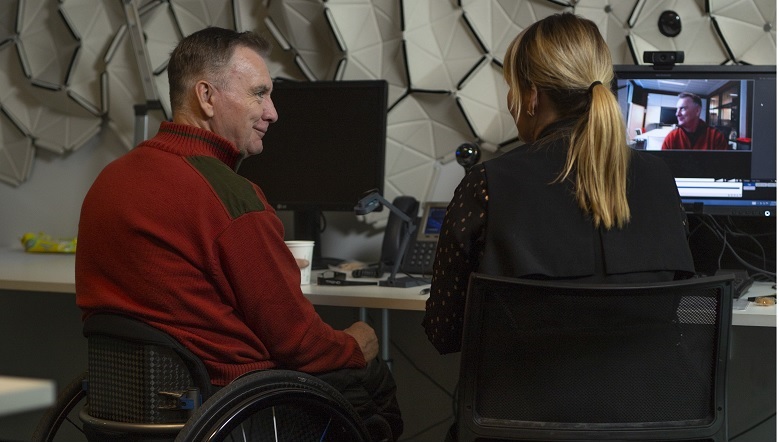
(52, 272)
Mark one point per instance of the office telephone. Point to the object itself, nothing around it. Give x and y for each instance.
(420, 252)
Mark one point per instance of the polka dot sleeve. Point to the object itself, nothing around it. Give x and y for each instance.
(460, 247)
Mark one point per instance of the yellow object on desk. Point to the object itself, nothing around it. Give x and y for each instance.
(44, 243)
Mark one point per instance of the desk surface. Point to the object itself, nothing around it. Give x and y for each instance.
(52, 272)
(24, 394)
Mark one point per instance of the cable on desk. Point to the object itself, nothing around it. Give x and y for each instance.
(723, 230)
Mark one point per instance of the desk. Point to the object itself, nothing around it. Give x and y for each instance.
(25, 394)
(52, 272)
(756, 315)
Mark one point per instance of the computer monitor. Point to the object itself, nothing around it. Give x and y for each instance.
(667, 116)
(324, 152)
(740, 102)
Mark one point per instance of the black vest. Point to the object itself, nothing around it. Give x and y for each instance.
(535, 228)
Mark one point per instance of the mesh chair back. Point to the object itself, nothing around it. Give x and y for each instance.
(131, 368)
(550, 360)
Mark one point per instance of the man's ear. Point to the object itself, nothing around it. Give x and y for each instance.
(205, 97)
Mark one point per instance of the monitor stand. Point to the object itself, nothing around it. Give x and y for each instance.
(307, 227)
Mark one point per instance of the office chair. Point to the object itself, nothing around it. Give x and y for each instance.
(143, 385)
(550, 360)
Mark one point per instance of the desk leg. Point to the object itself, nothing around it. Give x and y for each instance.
(385, 340)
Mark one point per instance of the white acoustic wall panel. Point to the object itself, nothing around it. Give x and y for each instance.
(611, 18)
(303, 25)
(162, 34)
(370, 32)
(193, 15)
(16, 153)
(440, 48)
(7, 20)
(124, 89)
(496, 22)
(95, 24)
(747, 28)
(250, 15)
(480, 99)
(48, 45)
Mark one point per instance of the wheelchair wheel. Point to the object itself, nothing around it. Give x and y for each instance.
(275, 405)
(60, 422)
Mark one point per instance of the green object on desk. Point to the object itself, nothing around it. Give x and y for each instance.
(44, 243)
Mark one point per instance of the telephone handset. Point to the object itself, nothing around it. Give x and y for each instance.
(395, 230)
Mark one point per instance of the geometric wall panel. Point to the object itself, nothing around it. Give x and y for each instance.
(371, 34)
(483, 98)
(193, 15)
(95, 24)
(423, 130)
(161, 33)
(440, 48)
(496, 22)
(47, 45)
(611, 18)
(124, 89)
(50, 118)
(747, 29)
(7, 20)
(55, 121)
(16, 153)
(302, 26)
(250, 15)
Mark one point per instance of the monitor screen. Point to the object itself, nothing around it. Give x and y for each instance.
(731, 174)
(327, 147)
(667, 116)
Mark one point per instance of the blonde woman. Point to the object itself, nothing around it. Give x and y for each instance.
(574, 202)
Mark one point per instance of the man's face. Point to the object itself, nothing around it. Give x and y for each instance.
(687, 113)
(243, 108)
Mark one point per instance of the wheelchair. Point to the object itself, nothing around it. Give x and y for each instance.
(143, 385)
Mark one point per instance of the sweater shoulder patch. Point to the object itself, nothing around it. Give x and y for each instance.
(235, 192)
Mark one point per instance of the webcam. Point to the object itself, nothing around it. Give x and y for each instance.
(468, 154)
(663, 59)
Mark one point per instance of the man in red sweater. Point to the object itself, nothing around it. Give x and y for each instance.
(692, 132)
(170, 234)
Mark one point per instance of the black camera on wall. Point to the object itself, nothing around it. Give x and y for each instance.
(663, 59)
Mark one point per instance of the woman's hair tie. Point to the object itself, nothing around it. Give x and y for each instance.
(596, 82)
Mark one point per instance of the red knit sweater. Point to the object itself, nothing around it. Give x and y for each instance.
(171, 235)
(708, 139)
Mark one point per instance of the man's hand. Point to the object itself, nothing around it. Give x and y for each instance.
(302, 262)
(366, 338)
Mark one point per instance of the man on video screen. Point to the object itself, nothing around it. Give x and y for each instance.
(693, 133)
